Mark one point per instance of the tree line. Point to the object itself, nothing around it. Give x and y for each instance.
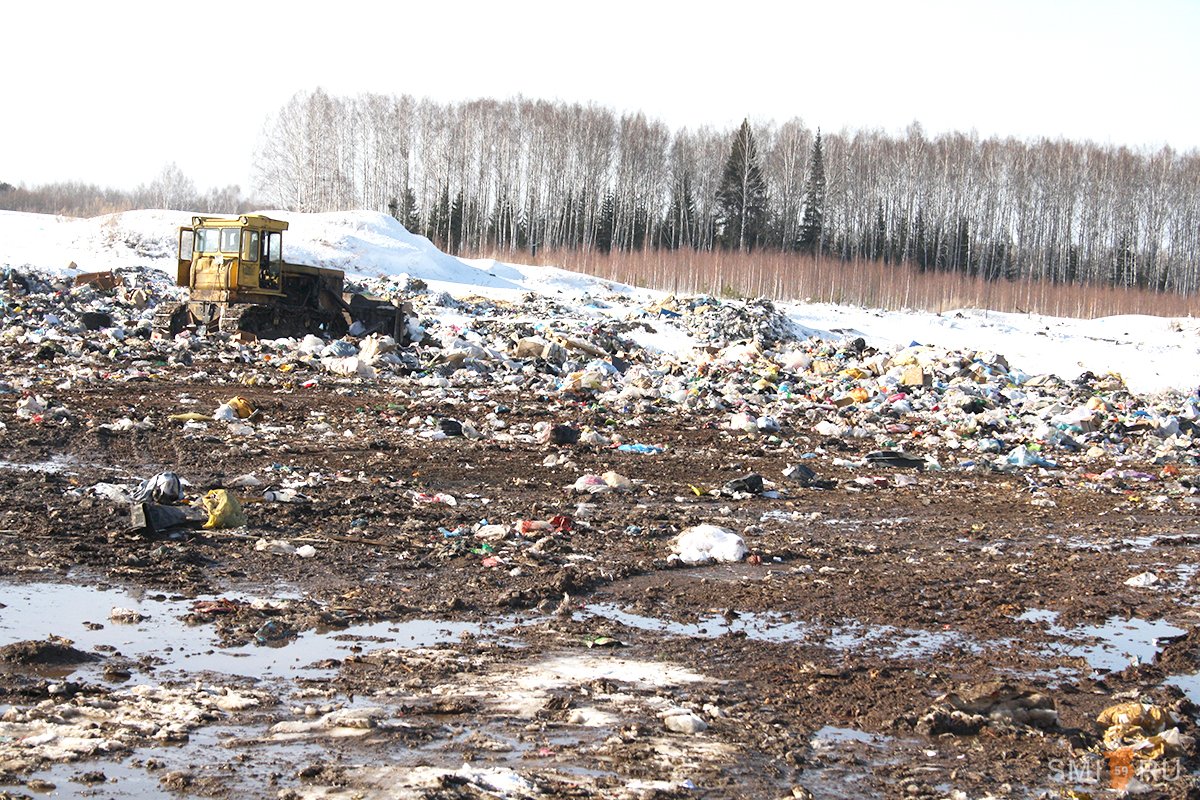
(520, 174)
(170, 189)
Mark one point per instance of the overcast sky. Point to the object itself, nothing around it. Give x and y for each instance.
(109, 93)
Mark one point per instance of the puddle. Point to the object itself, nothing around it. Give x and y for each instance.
(52, 464)
(36, 611)
(772, 627)
(833, 735)
(1120, 641)
(203, 756)
(1188, 684)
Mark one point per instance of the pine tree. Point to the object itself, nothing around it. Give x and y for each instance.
(439, 220)
(742, 195)
(409, 215)
(813, 224)
(604, 228)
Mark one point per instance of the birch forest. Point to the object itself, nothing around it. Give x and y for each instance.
(519, 174)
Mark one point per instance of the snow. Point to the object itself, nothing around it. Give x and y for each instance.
(1150, 353)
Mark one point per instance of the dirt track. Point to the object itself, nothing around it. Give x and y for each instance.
(814, 664)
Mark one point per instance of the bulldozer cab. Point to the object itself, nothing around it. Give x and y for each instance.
(239, 255)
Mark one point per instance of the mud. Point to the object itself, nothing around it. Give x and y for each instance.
(406, 659)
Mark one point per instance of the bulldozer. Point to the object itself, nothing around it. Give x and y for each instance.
(238, 282)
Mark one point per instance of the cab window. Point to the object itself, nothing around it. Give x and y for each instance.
(208, 240)
(275, 249)
(250, 246)
(231, 240)
(187, 243)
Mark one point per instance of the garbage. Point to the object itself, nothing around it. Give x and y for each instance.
(683, 721)
(111, 492)
(285, 496)
(807, 477)
(1023, 456)
(103, 281)
(1142, 580)
(279, 547)
(31, 406)
(591, 484)
(603, 641)
(224, 511)
(968, 711)
(748, 484)
(233, 409)
(701, 544)
(424, 498)
(1148, 731)
(125, 616)
(247, 481)
(153, 518)
(563, 434)
(272, 631)
(165, 487)
(95, 320)
(892, 458)
(643, 449)
(192, 416)
(617, 481)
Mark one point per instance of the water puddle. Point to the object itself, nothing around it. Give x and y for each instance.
(1113, 645)
(1188, 684)
(773, 627)
(54, 464)
(202, 757)
(831, 735)
(81, 614)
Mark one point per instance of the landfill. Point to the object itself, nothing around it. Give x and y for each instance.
(587, 543)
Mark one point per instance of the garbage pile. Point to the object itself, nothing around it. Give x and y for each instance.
(915, 408)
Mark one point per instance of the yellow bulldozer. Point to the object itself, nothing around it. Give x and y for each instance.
(237, 281)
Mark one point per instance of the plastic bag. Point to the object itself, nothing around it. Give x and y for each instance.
(703, 543)
(224, 511)
(165, 487)
(241, 406)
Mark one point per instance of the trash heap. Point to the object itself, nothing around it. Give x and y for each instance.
(913, 408)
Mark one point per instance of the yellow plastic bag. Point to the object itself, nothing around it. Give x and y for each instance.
(223, 509)
(1150, 718)
(1147, 730)
(241, 406)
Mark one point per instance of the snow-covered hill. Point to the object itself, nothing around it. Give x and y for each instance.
(1151, 353)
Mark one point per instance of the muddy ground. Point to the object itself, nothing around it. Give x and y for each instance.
(406, 659)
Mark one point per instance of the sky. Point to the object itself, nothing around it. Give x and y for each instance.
(110, 93)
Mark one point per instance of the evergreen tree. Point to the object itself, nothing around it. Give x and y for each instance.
(963, 261)
(921, 242)
(742, 194)
(604, 228)
(439, 220)
(813, 224)
(407, 211)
